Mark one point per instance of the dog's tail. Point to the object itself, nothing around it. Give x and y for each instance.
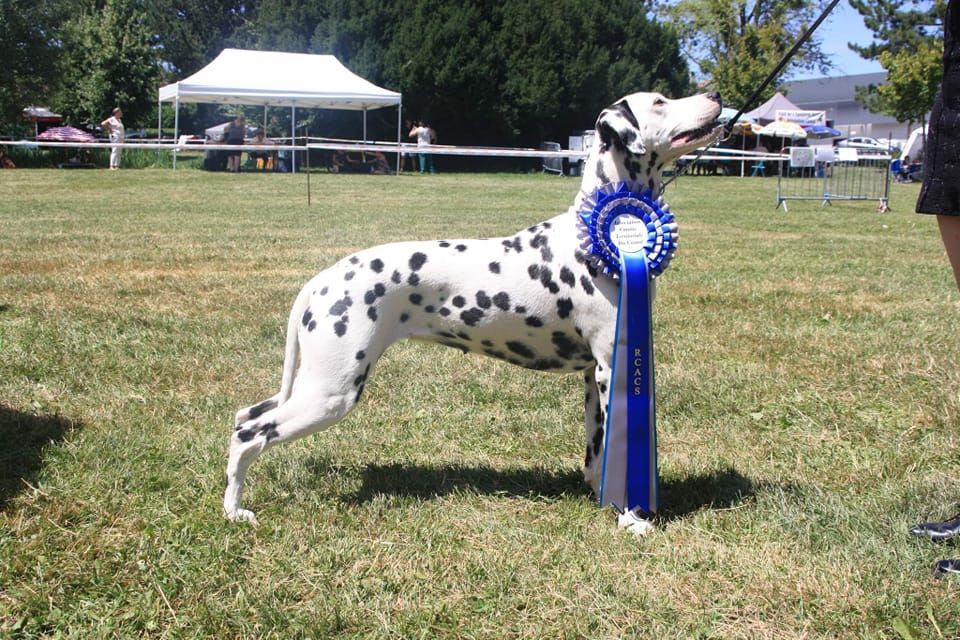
(291, 354)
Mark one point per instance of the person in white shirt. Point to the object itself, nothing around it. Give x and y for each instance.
(425, 136)
(114, 127)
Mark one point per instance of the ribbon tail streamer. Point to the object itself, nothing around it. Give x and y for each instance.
(629, 476)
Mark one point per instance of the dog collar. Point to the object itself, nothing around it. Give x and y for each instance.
(618, 219)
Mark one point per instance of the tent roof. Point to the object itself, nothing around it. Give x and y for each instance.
(276, 78)
(767, 112)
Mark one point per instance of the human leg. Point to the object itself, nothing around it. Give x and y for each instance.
(950, 232)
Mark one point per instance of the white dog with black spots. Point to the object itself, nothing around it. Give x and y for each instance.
(535, 299)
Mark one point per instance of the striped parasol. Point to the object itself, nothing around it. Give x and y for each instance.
(66, 134)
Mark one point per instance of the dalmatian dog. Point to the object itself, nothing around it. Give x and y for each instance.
(535, 299)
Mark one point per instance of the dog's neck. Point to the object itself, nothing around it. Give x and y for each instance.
(608, 165)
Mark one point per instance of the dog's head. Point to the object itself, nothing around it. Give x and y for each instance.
(650, 130)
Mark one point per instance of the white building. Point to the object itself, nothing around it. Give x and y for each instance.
(837, 96)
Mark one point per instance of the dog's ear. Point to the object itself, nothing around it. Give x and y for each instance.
(618, 127)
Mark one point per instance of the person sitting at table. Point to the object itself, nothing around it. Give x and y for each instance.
(263, 158)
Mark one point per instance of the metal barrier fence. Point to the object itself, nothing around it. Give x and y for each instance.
(827, 174)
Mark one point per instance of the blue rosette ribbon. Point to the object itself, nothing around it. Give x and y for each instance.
(632, 237)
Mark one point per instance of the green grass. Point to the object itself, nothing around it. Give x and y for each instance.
(808, 414)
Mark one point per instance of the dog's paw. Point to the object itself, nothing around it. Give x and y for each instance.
(634, 523)
(242, 515)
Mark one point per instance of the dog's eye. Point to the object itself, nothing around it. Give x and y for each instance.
(659, 102)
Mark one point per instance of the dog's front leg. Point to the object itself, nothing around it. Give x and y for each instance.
(596, 406)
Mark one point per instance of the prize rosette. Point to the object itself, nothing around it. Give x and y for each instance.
(618, 219)
(632, 237)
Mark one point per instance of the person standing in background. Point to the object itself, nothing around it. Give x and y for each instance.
(940, 195)
(425, 136)
(116, 131)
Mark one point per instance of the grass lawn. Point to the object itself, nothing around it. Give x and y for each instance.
(809, 415)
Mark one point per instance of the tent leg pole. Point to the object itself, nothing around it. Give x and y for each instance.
(176, 129)
(159, 127)
(399, 120)
(293, 137)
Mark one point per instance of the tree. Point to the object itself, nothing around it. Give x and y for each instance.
(898, 25)
(187, 34)
(737, 43)
(28, 35)
(107, 59)
(909, 45)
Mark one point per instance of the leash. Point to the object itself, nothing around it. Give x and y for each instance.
(727, 128)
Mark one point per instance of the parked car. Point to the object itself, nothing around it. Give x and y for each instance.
(865, 144)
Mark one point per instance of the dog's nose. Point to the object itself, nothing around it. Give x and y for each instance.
(715, 96)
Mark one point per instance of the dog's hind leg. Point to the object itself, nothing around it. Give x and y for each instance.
(317, 402)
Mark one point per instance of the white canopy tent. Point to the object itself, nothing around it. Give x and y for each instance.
(276, 78)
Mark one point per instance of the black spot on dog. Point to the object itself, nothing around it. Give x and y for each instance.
(262, 408)
(538, 241)
(458, 301)
(566, 348)
(416, 298)
(245, 435)
(546, 254)
(446, 334)
(444, 244)
(483, 300)
(534, 271)
(496, 354)
(361, 354)
(587, 458)
(546, 279)
(349, 275)
(463, 336)
(471, 316)
(515, 244)
(417, 260)
(534, 321)
(323, 291)
(413, 280)
(372, 313)
(533, 229)
(603, 387)
(564, 307)
(494, 267)
(598, 434)
(651, 184)
(486, 343)
(379, 289)
(521, 349)
(567, 277)
(654, 156)
(587, 285)
(429, 308)
(377, 265)
(404, 317)
(461, 248)
(339, 328)
(444, 311)
(312, 325)
(269, 431)
(520, 309)
(340, 306)
(307, 316)
(396, 277)
(354, 259)
(369, 297)
(502, 300)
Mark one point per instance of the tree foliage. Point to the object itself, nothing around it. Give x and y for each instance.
(898, 26)
(108, 59)
(28, 34)
(908, 43)
(737, 43)
(481, 72)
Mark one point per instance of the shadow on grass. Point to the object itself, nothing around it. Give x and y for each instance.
(720, 489)
(422, 481)
(25, 437)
